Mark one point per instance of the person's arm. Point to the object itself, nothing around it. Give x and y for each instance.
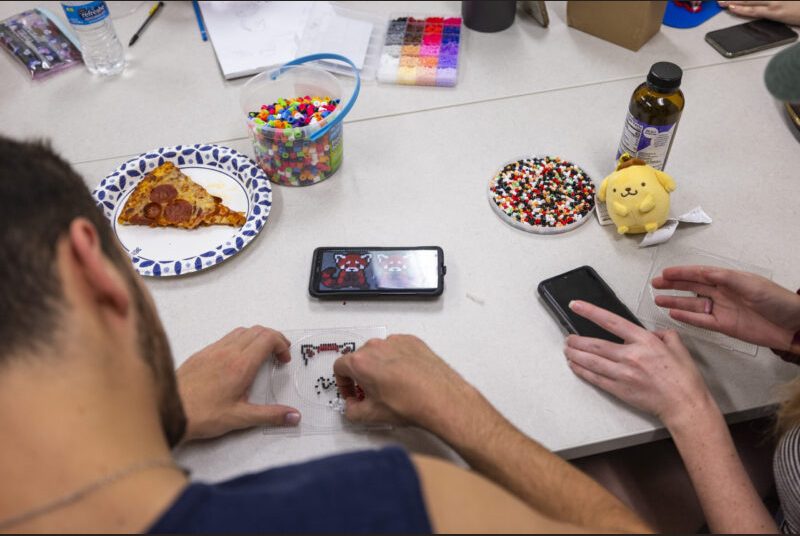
(404, 381)
(781, 11)
(730, 502)
(655, 373)
(495, 448)
(461, 501)
(215, 382)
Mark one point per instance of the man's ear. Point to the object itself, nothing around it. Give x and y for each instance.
(100, 275)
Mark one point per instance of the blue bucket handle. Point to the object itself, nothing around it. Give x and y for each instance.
(325, 56)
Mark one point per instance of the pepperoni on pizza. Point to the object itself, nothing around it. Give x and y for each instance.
(165, 197)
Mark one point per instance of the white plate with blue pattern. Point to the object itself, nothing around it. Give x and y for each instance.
(166, 251)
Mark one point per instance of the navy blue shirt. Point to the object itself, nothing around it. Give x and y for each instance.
(370, 491)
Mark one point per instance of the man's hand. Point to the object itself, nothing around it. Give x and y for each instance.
(214, 384)
(781, 11)
(403, 381)
(740, 304)
(651, 371)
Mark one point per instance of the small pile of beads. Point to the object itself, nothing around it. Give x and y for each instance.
(294, 112)
(543, 193)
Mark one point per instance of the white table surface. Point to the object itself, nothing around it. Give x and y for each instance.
(556, 91)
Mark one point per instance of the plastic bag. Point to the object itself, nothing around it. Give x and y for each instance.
(35, 39)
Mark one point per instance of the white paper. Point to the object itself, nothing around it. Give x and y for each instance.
(328, 31)
(250, 37)
(665, 232)
(601, 211)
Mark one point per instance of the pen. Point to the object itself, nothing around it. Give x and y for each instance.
(150, 15)
(199, 20)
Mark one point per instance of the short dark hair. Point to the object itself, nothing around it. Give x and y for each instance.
(40, 195)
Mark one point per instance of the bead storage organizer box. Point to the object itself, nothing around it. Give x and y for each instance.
(294, 119)
(421, 51)
(307, 382)
(543, 195)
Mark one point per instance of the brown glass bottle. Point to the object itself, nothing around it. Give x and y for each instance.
(653, 115)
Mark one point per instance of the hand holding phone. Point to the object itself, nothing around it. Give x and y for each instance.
(653, 372)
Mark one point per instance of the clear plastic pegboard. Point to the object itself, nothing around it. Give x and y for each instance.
(307, 381)
(667, 256)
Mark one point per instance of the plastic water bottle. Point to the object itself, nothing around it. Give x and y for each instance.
(102, 52)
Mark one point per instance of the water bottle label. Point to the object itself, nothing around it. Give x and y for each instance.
(87, 13)
(651, 143)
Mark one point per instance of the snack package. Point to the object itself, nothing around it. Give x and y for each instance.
(35, 39)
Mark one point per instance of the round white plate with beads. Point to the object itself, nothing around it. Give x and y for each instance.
(527, 192)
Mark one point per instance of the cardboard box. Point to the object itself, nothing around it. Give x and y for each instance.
(627, 24)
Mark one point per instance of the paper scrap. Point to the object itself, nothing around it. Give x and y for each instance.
(665, 232)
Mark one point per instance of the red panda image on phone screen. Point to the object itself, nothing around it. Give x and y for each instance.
(351, 267)
(377, 271)
(395, 270)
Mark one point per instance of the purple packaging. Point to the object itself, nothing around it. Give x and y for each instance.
(35, 39)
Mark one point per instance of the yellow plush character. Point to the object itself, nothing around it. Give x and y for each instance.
(636, 195)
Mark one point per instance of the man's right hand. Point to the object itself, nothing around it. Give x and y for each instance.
(403, 382)
(740, 304)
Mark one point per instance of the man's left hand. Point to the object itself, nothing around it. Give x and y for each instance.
(215, 382)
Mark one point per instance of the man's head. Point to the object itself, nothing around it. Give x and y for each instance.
(47, 215)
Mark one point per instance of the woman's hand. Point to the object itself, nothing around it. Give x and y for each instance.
(740, 304)
(781, 11)
(653, 372)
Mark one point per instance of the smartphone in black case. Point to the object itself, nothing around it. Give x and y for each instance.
(750, 37)
(365, 272)
(585, 284)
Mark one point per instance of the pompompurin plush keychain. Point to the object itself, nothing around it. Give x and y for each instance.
(637, 196)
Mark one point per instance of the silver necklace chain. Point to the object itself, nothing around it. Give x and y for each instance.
(79, 494)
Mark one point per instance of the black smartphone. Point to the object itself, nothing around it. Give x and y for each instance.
(354, 272)
(750, 37)
(585, 284)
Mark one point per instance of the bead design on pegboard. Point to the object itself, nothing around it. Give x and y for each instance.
(307, 351)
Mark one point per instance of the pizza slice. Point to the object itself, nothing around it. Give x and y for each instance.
(166, 197)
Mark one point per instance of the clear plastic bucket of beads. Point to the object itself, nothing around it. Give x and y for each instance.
(542, 194)
(294, 119)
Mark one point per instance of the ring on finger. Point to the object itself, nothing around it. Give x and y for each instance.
(708, 306)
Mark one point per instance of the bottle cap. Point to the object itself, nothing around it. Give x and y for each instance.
(664, 76)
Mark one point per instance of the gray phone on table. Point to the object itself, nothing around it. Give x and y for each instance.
(750, 37)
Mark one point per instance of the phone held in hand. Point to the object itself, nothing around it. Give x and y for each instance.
(370, 272)
(584, 284)
(750, 37)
